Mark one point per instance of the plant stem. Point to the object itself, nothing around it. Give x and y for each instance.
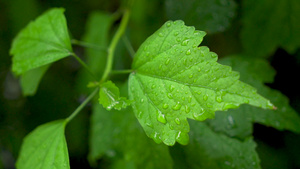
(84, 65)
(113, 44)
(81, 106)
(121, 71)
(128, 46)
(88, 45)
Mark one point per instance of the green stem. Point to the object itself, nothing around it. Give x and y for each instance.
(121, 71)
(81, 106)
(88, 45)
(84, 65)
(113, 44)
(128, 46)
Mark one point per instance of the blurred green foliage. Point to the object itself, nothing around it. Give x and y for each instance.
(263, 29)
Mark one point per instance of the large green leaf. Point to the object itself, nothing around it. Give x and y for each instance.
(174, 79)
(268, 25)
(238, 123)
(211, 150)
(31, 79)
(45, 148)
(209, 15)
(118, 136)
(43, 41)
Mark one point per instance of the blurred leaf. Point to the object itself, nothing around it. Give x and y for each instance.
(31, 79)
(45, 147)
(109, 97)
(211, 150)
(117, 135)
(209, 15)
(174, 79)
(268, 25)
(97, 33)
(238, 122)
(42, 42)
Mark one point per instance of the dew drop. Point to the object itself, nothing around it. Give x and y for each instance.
(187, 109)
(171, 126)
(161, 118)
(177, 121)
(153, 86)
(176, 33)
(185, 42)
(182, 138)
(213, 55)
(191, 76)
(178, 39)
(205, 97)
(165, 106)
(190, 99)
(142, 100)
(170, 96)
(231, 121)
(177, 106)
(160, 66)
(188, 52)
(219, 99)
(149, 125)
(140, 114)
(160, 34)
(172, 87)
(195, 80)
(167, 61)
(169, 24)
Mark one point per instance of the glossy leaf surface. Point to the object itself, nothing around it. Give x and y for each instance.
(176, 79)
(45, 148)
(41, 42)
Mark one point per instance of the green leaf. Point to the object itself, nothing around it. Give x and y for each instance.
(209, 15)
(211, 150)
(109, 97)
(174, 79)
(118, 136)
(239, 123)
(45, 147)
(43, 41)
(31, 79)
(97, 33)
(268, 25)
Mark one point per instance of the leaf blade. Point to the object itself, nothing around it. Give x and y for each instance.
(43, 41)
(174, 79)
(45, 147)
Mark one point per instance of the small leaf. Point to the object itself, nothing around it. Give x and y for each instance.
(174, 79)
(45, 147)
(268, 25)
(211, 16)
(31, 79)
(43, 41)
(109, 97)
(211, 150)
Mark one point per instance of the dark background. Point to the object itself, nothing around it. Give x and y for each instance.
(57, 96)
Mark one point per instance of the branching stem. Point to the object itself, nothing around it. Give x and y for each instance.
(113, 44)
(81, 106)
